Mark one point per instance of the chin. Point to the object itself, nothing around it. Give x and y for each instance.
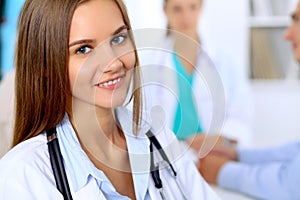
(116, 102)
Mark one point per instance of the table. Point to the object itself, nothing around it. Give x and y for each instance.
(230, 195)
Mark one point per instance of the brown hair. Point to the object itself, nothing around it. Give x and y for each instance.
(42, 82)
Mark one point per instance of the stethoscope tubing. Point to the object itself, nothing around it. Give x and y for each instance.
(56, 161)
(155, 169)
(61, 179)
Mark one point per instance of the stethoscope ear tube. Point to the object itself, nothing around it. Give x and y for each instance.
(157, 145)
(155, 169)
(57, 164)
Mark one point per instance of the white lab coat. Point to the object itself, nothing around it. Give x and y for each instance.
(222, 94)
(26, 173)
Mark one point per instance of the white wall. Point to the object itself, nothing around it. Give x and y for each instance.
(277, 112)
(146, 13)
(225, 25)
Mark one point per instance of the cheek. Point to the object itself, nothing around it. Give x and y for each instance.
(74, 69)
(176, 18)
(173, 17)
(297, 33)
(195, 17)
(72, 74)
(129, 60)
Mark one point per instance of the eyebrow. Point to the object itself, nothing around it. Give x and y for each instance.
(87, 41)
(120, 29)
(295, 14)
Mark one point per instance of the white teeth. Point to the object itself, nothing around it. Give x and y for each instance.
(108, 83)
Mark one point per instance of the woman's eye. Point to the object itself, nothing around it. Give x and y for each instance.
(177, 9)
(295, 18)
(119, 39)
(83, 50)
(193, 7)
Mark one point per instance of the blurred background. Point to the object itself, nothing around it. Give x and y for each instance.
(252, 34)
(250, 31)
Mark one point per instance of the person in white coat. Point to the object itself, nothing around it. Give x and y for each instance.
(74, 137)
(270, 173)
(197, 92)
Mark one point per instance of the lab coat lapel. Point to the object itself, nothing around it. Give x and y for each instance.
(138, 148)
(90, 191)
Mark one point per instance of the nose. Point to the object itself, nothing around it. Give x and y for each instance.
(114, 67)
(186, 15)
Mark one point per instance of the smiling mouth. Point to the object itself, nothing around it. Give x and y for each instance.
(110, 83)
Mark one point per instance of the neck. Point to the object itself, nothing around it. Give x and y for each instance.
(186, 46)
(86, 118)
(98, 132)
(186, 42)
(183, 36)
(104, 144)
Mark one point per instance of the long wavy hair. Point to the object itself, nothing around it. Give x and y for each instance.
(42, 83)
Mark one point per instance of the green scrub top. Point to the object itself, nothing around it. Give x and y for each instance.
(186, 121)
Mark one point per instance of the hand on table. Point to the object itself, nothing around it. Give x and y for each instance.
(209, 167)
(219, 151)
(203, 144)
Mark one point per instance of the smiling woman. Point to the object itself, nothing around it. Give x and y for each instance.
(73, 80)
(111, 45)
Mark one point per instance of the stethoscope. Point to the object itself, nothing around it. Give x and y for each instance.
(155, 168)
(62, 180)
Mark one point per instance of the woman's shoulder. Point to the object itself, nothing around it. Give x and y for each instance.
(32, 153)
(26, 173)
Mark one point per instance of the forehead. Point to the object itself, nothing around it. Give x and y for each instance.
(96, 17)
(297, 9)
(183, 2)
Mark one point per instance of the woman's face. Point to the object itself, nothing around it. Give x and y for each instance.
(183, 15)
(293, 33)
(101, 56)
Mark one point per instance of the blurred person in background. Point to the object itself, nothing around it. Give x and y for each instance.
(269, 173)
(182, 79)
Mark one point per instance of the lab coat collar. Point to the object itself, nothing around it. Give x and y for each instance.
(89, 191)
(77, 163)
(138, 148)
(75, 160)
